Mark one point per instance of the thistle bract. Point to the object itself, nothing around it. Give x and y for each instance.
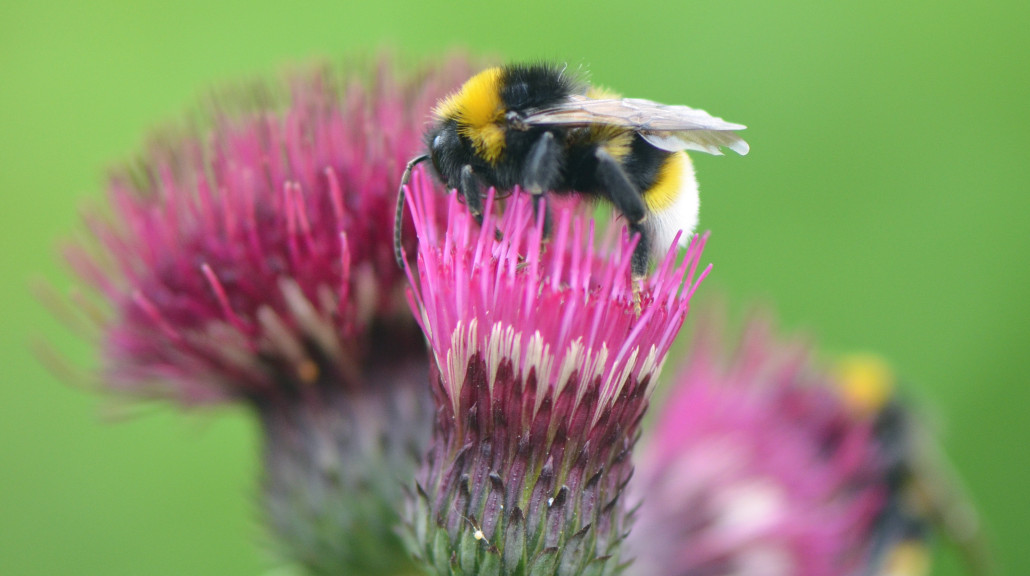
(544, 355)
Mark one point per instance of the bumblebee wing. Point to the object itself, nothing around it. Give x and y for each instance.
(710, 141)
(671, 128)
(937, 487)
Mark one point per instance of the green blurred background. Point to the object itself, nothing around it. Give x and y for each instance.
(884, 206)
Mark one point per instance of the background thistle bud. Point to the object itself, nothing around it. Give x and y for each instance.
(252, 261)
(544, 357)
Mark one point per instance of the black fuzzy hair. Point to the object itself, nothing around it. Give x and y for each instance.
(525, 86)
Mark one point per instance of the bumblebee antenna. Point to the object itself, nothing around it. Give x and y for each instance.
(398, 219)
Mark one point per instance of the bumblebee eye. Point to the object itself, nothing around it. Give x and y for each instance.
(439, 147)
(435, 148)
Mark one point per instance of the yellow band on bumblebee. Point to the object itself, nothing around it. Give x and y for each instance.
(478, 110)
(866, 383)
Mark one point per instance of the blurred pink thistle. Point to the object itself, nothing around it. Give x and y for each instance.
(755, 467)
(258, 254)
(251, 260)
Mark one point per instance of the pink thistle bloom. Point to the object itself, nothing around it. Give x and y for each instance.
(257, 255)
(252, 260)
(544, 358)
(756, 467)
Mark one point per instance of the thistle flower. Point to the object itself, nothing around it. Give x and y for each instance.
(252, 262)
(544, 356)
(757, 467)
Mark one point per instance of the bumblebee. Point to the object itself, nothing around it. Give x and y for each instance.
(540, 128)
(923, 494)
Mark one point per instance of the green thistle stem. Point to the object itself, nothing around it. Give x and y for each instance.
(334, 467)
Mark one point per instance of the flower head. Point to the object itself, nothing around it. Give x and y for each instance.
(252, 259)
(756, 467)
(255, 255)
(544, 357)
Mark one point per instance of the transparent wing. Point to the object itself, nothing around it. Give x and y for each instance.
(702, 140)
(671, 128)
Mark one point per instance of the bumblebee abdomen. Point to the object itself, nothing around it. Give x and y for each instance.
(672, 203)
(615, 140)
(667, 186)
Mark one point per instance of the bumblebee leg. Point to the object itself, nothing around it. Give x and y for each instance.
(627, 200)
(470, 190)
(398, 217)
(542, 169)
(641, 252)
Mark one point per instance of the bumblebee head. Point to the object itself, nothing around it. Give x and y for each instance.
(445, 151)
